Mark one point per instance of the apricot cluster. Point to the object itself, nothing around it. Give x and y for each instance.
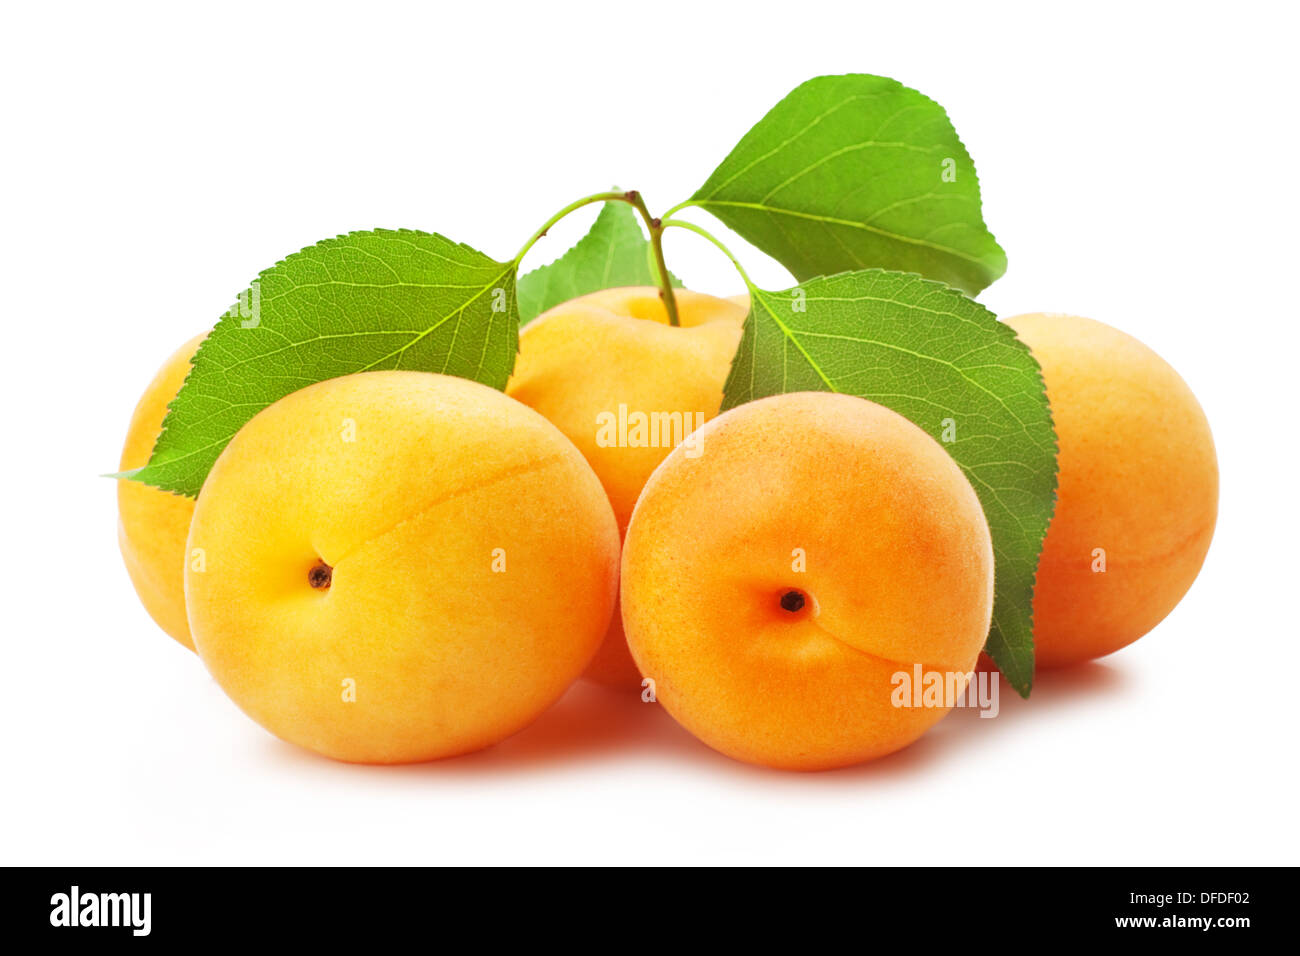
(401, 566)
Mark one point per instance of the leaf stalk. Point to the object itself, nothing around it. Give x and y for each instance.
(701, 231)
(653, 224)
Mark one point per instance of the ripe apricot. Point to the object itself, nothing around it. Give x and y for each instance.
(624, 385)
(1138, 488)
(775, 585)
(152, 524)
(398, 566)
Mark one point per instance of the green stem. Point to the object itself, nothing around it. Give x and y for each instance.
(701, 231)
(656, 228)
(633, 198)
(678, 208)
(577, 204)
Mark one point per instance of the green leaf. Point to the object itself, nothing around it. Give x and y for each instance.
(853, 172)
(947, 364)
(368, 300)
(614, 252)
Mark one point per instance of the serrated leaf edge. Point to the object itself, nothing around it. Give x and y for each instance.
(230, 315)
(998, 269)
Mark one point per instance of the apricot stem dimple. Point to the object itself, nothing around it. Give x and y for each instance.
(793, 601)
(320, 576)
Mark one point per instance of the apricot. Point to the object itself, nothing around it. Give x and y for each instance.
(399, 566)
(1138, 488)
(776, 585)
(152, 524)
(625, 386)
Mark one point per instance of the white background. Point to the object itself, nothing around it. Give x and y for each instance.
(1138, 165)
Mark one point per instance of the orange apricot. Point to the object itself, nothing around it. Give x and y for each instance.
(152, 524)
(1138, 488)
(776, 585)
(399, 566)
(625, 387)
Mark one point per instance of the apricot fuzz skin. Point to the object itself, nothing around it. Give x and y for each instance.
(421, 584)
(899, 571)
(588, 356)
(1137, 489)
(152, 524)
